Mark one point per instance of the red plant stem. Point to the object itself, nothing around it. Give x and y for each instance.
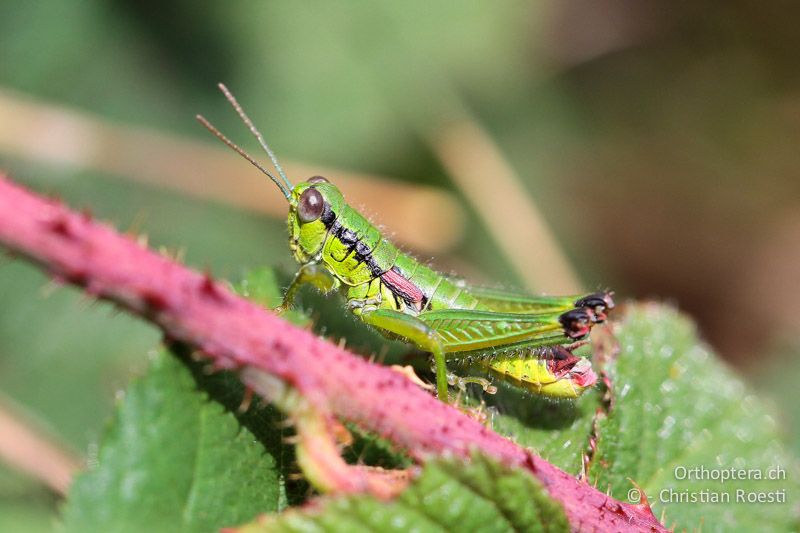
(236, 333)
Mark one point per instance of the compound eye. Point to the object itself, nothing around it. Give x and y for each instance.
(310, 206)
(318, 179)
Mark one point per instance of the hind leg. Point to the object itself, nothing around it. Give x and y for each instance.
(417, 332)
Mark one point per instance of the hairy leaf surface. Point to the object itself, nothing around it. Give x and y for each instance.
(449, 495)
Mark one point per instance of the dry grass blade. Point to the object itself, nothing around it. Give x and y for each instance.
(495, 192)
(26, 448)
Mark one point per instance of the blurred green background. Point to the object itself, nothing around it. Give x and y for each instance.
(657, 139)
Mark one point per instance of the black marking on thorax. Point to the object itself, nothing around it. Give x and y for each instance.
(328, 216)
(403, 289)
(348, 237)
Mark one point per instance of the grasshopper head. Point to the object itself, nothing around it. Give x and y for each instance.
(313, 204)
(313, 207)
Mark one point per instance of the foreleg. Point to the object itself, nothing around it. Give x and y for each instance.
(311, 274)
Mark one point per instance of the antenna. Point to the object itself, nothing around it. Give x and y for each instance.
(255, 132)
(286, 192)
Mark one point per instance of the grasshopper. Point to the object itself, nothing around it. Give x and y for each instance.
(525, 340)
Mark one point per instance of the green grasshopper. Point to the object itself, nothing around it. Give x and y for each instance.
(526, 340)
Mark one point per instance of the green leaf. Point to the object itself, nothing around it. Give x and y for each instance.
(681, 419)
(449, 495)
(173, 460)
(558, 430)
